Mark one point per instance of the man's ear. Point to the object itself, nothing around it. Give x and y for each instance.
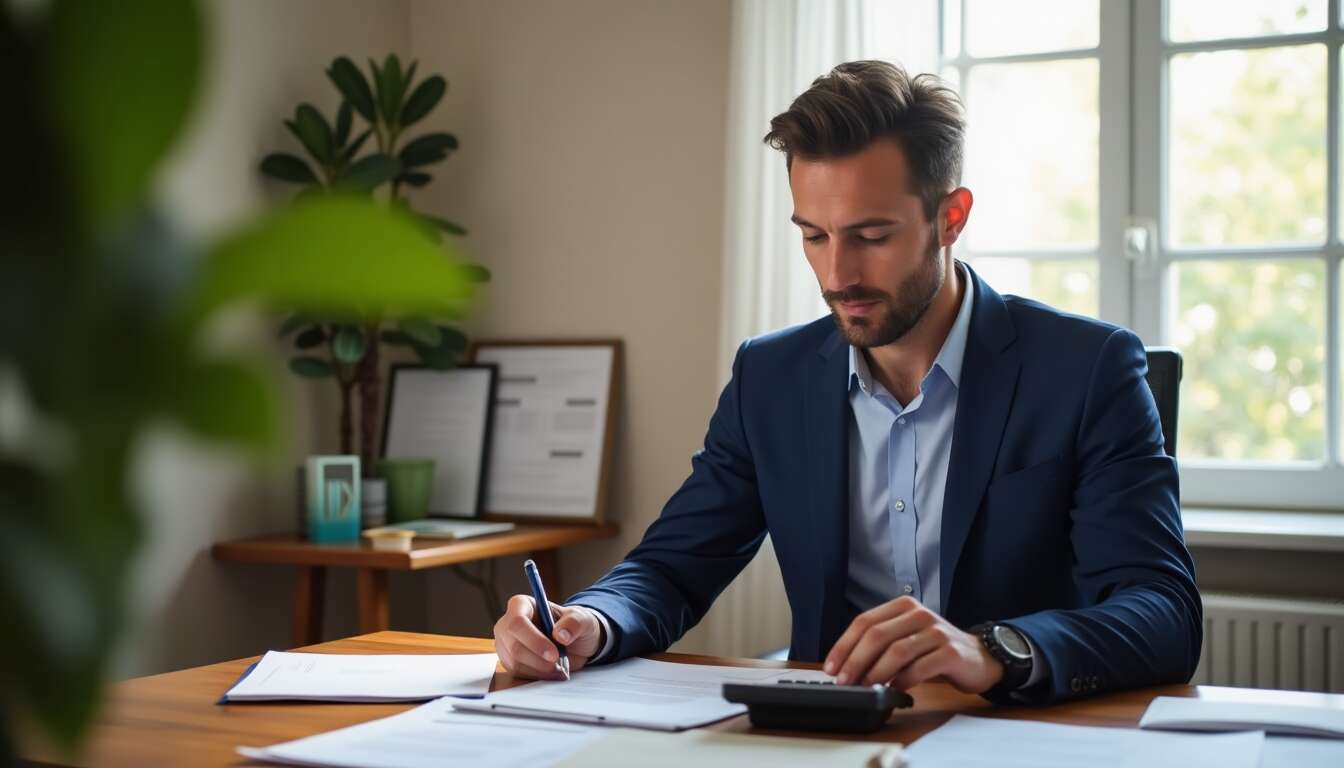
(954, 211)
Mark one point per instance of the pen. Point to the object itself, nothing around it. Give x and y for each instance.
(544, 609)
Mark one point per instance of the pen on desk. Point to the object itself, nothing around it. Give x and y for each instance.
(544, 610)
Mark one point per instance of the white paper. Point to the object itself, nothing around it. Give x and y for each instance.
(711, 749)
(1189, 714)
(641, 693)
(971, 742)
(549, 427)
(431, 736)
(283, 676)
(441, 415)
(1300, 752)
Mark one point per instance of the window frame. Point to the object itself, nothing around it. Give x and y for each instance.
(1133, 54)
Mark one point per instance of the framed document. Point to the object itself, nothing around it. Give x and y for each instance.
(443, 415)
(554, 418)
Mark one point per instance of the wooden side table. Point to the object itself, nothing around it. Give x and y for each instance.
(540, 542)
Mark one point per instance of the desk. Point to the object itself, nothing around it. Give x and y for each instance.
(171, 719)
(312, 560)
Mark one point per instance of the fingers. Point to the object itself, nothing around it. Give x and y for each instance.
(843, 647)
(876, 638)
(902, 652)
(941, 661)
(579, 631)
(522, 647)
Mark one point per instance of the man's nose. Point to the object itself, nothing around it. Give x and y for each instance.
(842, 266)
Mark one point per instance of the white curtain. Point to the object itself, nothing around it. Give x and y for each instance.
(779, 48)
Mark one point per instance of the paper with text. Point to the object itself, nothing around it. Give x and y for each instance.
(641, 693)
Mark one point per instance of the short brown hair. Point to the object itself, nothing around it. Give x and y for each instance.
(859, 102)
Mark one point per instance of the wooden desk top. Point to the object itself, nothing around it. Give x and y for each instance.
(172, 719)
(288, 549)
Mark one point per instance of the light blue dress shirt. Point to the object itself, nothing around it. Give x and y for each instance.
(898, 464)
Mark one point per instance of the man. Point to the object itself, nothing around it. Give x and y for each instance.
(958, 485)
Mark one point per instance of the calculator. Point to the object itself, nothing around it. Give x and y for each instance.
(816, 705)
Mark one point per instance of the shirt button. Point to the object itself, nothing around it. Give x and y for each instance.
(900, 420)
(909, 589)
(899, 505)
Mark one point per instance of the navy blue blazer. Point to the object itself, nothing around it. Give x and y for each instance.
(1061, 513)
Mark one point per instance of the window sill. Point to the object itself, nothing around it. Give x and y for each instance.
(1264, 529)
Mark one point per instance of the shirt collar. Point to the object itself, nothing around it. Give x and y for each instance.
(949, 358)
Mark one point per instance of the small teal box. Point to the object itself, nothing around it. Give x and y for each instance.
(333, 499)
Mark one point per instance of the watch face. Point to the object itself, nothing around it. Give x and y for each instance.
(1012, 641)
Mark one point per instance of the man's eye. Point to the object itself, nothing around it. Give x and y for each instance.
(814, 238)
(878, 239)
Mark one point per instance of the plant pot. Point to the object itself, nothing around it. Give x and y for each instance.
(409, 484)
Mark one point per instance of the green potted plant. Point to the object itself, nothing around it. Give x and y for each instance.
(374, 116)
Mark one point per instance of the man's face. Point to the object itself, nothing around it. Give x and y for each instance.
(876, 257)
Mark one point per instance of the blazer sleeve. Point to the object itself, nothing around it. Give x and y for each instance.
(707, 533)
(1142, 622)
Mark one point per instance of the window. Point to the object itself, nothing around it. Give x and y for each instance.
(1212, 127)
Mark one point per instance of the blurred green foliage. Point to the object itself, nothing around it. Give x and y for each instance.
(103, 306)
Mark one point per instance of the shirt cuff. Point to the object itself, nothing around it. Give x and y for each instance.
(606, 633)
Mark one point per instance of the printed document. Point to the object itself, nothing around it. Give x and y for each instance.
(430, 736)
(972, 742)
(641, 693)
(283, 676)
(711, 749)
(1189, 714)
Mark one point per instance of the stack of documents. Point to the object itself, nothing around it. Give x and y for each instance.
(1174, 713)
(281, 676)
(970, 742)
(639, 693)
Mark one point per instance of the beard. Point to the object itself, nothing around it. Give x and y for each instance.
(897, 314)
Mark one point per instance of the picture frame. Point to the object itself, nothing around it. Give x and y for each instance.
(555, 424)
(458, 438)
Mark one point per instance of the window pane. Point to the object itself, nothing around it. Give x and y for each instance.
(1070, 285)
(1218, 19)
(951, 28)
(1253, 337)
(998, 28)
(1247, 147)
(1032, 155)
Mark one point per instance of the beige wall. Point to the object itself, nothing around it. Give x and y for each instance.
(590, 178)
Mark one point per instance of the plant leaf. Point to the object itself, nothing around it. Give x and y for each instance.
(287, 167)
(340, 253)
(430, 148)
(356, 144)
(415, 178)
(436, 357)
(476, 273)
(311, 367)
(348, 345)
(395, 338)
(420, 330)
(293, 323)
(423, 99)
(231, 401)
(451, 228)
(351, 83)
(389, 95)
(310, 338)
(344, 117)
(372, 170)
(116, 108)
(313, 132)
(452, 339)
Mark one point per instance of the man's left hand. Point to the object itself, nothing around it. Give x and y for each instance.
(903, 643)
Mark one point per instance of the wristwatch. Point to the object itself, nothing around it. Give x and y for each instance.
(1011, 648)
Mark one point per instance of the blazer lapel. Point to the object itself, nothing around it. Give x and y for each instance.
(988, 382)
(827, 441)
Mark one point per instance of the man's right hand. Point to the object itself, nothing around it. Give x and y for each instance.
(526, 652)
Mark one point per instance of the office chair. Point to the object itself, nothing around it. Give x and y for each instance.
(1164, 378)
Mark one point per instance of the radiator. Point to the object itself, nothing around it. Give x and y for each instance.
(1261, 642)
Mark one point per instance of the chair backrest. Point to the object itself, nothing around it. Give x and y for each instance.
(1164, 378)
